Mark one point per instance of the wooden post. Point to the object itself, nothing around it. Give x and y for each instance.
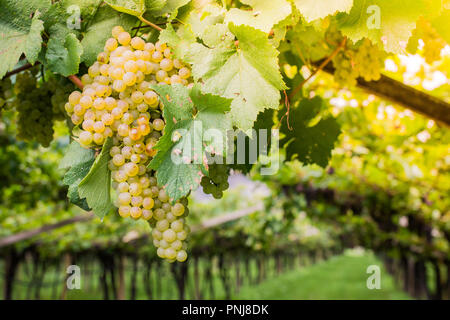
(121, 268)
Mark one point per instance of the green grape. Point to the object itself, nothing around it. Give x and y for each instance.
(433, 42)
(217, 181)
(368, 59)
(345, 72)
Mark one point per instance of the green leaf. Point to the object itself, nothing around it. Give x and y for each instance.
(65, 12)
(74, 197)
(154, 6)
(170, 9)
(308, 42)
(217, 35)
(280, 29)
(249, 75)
(208, 24)
(63, 53)
(99, 30)
(265, 14)
(180, 41)
(386, 23)
(311, 143)
(79, 161)
(74, 155)
(77, 172)
(264, 121)
(442, 25)
(20, 31)
(176, 100)
(72, 178)
(179, 163)
(133, 7)
(313, 9)
(96, 185)
(261, 55)
(295, 81)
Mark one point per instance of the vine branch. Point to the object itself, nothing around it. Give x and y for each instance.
(20, 69)
(322, 65)
(75, 80)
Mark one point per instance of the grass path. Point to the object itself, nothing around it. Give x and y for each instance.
(342, 277)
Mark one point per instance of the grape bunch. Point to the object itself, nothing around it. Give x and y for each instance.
(217, 180)
(433, 43)
(362, 59)
(61, 89)
(345, 72)
(6, 93)
(117, 101)
(368, 60)
(33, 104)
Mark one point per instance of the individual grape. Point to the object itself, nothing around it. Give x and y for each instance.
(124, 38)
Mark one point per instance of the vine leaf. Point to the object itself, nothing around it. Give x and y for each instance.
(313, 9)
(176, 100)
(20, 31)
(249, 75)
(442, 24)
(65, 13)
(64, 52)
(99, 30)
(133, 7)
(75, 154)
(170, 9)
(153, 7)
(79, 161)
(260, 143)
(179, 162)
(310, 143)
(96, 185)
(180, 41)
(265, 14)
(386, 23)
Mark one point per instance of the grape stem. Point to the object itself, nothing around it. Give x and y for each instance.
(76, 81)
(322, 65)
(151, 24)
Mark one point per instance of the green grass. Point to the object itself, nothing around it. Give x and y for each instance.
(342, 277)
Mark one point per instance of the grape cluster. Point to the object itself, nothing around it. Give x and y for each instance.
(345, 72)
(217, 180)
(6, 93)
(61, 90)
(362, 59)
(117, 101)
(33, 103)
(368, 60)
(38, 103)
(433, 43)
